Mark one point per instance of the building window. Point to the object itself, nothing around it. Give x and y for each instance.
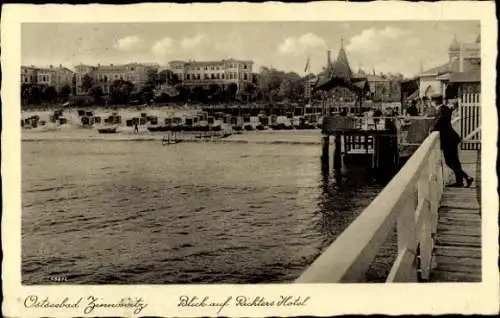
(198, 76)
(213, 76)
(245, 77)
(187, 76)
(222, 75)
(206, 68)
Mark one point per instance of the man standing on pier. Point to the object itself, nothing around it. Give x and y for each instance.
(450, 140)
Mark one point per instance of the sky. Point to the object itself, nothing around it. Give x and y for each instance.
(389, 47)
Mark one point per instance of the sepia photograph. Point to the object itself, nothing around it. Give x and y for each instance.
(158, 153)
(246, 152)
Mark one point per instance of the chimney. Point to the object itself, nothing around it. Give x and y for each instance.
(98, 64)
(60, 65)
(329, 58)
(51, 66)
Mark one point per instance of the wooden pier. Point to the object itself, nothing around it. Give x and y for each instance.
(382, 147)
(458, 242)
(438, 228)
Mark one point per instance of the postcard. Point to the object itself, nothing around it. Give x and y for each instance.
(249, 160)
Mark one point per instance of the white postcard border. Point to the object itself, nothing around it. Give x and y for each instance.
(324, 299)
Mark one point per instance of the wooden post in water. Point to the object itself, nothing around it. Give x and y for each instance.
(325, 161)
(337, 155)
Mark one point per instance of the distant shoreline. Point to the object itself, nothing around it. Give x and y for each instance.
(302, 137)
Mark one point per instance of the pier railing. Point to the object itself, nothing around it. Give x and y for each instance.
(408, 203)
(471, 138)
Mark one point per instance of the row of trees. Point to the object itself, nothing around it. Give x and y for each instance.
(267, 86)
(39, 94)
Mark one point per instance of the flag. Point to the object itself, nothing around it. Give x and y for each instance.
(306, 69)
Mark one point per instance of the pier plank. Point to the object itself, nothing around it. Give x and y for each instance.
(473, 262)
(457, 251)
(462, 240)
(459, 231)
(454, 211)
(447, 276)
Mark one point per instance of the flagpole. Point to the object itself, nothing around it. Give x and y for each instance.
(308, 84)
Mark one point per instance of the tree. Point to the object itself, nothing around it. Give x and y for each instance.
(147, 93)
(195, 94)
(230, 92)
(34, 94)
(214, 92)
(49, 94)
(96, 94)
(285, 89)
(73, 85)
(87, 82)
(249, 91)
(120, 91)
(152, 77)
(64, 92)
(25, 93)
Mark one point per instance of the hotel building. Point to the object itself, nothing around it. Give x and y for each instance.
(51, 76)
(204, 73)
(105, 75)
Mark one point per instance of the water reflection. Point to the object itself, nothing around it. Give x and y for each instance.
(345, 194)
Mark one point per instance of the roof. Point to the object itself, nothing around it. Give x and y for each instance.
(340, 74)
(376, 78)
(454, 46)
(210, 62)
(47, 69)
(443, 68)
(341, 68)
(466, 77)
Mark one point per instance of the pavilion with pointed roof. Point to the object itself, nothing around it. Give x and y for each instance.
(339, 74)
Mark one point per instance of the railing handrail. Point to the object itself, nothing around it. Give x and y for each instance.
(348, 258)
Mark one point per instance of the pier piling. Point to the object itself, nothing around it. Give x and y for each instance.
(337, 154)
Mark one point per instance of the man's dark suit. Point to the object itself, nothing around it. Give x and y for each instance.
(449, 142)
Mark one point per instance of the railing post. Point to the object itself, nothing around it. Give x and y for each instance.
(407, 233)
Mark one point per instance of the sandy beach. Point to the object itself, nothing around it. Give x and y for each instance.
(74, 131)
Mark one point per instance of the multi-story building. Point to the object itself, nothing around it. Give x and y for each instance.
(463, 66)
(205, 73)
(51, 76)
(105, 75)
(29, 74)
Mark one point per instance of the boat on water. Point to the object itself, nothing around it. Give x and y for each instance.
(158, 128)
(304, 124)
(260, 127)
(107, 130)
